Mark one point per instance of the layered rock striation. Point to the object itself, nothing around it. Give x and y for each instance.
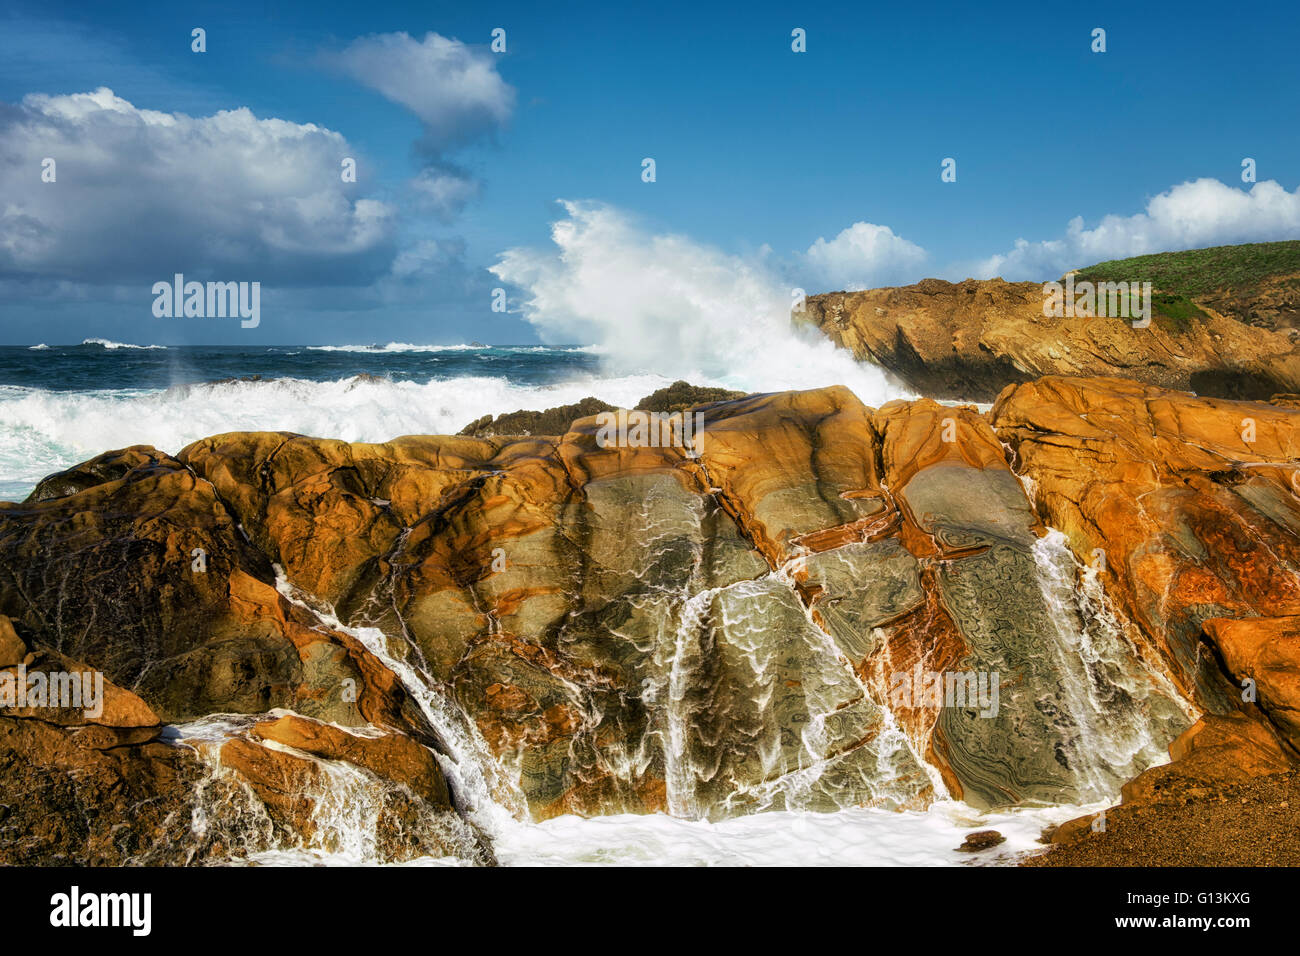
(820, 605)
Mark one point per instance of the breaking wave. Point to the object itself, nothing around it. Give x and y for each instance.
(44, 431)
(109, 344)
(668, 303)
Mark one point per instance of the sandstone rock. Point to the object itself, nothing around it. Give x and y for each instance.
(288, 786)
(1189, 501)
(1267, 651)
(1002, 602)
(632, 629)
(968, 340)
(1214, 752)
(793, 468)
(555, 421)
(147, 577)
(1211, 757)
(396, 809)
(1072, 831)
(12, 647)
(394, 757)
(552, 421)
(95, 700)
(95, 796)
(681, 395)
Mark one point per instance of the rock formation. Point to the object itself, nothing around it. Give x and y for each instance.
(807, 610)
(968, 340)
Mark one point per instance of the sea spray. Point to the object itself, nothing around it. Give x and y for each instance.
(686, 310)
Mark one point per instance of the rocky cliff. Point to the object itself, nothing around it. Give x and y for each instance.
(759, 624)
(968, 340)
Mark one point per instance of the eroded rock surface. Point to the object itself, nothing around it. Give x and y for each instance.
(967, 340)
(820, 605)
(1190, 508)
(641, 629)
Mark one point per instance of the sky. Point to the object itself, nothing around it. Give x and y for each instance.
(523, 169)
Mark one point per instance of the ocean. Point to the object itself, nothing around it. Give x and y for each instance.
(60, 405)
(63, 404)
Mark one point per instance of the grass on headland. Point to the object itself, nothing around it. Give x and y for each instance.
(1178, 277)
(1197, 272)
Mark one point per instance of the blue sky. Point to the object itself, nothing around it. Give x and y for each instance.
(761, 154)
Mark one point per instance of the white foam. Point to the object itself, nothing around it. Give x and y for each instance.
(408, 347)
(108, 344)
(852, 837)
(390, 347)
(43, 431)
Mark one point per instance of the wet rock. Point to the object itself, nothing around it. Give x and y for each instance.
(1188, 508)
(148, 578)
(1001, 605)
(555, 421)
(97, 797)
(395, 757)
(552, 421)
(1213, 753)
(94, 788)
(981, 840)
(807, 612)
(378, 798)
(682, 395)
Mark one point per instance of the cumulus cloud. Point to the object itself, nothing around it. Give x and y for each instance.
(864, 256)
(140, 193)
(671, 305)
(453, 88)
(1205, 212)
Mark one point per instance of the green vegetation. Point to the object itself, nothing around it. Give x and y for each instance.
(1174, 313)
(1201, 271)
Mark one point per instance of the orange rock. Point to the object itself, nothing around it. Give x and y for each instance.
(289, 786)
(967, 340)
(1267, 651)
(1190, 501)
(637, 627)
(791, 465)
(1214, 752)
(12, 648)
(393, 757)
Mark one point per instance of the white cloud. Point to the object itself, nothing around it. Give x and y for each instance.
(444, 190)
(1191, 215)
(141, 193)
(454, 89)
(864, 256)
